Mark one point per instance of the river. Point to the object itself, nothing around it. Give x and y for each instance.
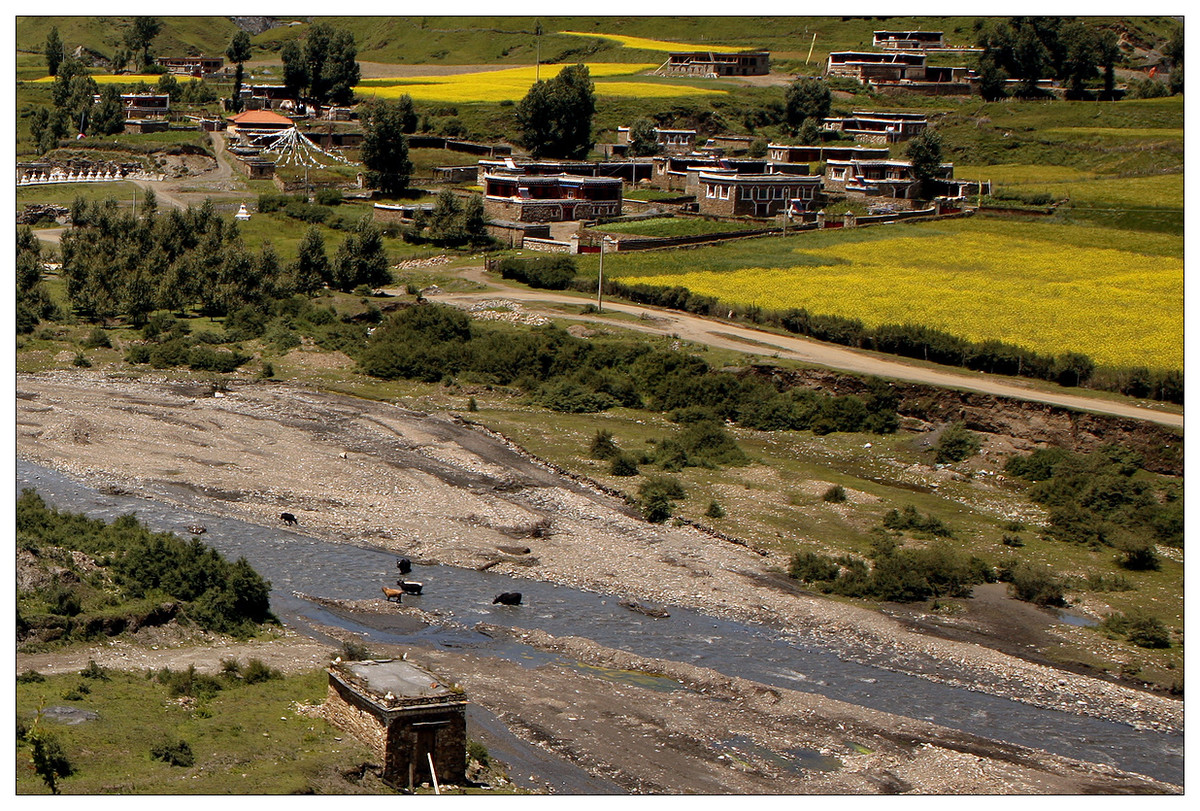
(294, 562)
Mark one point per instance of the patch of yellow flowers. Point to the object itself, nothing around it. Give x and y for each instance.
(1117, 306)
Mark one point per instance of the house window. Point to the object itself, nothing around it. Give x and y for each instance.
(710, 190)
(724, 192)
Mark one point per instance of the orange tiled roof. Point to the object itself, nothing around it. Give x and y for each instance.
(258, 118)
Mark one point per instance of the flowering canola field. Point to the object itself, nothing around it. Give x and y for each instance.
(1117, 306)
(513, 83)
(644, 44)
(121, 78)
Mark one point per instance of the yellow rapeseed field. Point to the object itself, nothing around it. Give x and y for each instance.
(514, 83)
(1117, 306)
(643, 44)
(124, 78)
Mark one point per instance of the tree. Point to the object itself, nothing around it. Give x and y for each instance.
(54, 51)
(474, 221)
(311, 268)
(295, 69)
(991, 79)
(643, 139)
(1173, 51)
(385, 147)
(806, 99)
(555, 117)
(108, 116)
(238, 52)
(1081, 53)
(330, 56)
(445, 220)
(140, 35)
(925, 153)
(361, 259)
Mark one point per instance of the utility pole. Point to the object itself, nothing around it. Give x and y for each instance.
(537, 71)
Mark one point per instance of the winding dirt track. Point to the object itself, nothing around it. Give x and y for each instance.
(744, 339)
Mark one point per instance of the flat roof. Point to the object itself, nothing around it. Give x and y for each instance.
(396, 676)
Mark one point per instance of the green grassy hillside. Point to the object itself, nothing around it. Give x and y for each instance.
(510, 40)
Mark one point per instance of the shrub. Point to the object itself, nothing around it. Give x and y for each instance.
(835, 494)
(603, 446)
(94, 671)
(810, 567)
(188, 682)
(174, 753)
(30, 677)
(714, 510)
(911, 519)
(355, 651)
(98, 337)
(477, 752)
(955, 444)
(50, 762)
(1140, 628)
(549, 273)
(1033, 583)
(623, 464)
(257, 671)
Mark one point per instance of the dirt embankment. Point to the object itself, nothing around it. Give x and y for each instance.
(1028, 424)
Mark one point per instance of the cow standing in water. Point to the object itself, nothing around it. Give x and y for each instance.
(404, 565)
(288, 518)
(508, 598)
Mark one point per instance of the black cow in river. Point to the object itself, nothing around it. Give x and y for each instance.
(508, 598)
(410, 586)
(404, 565)
(288, 518)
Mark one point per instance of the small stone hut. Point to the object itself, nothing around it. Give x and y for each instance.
(405, 714)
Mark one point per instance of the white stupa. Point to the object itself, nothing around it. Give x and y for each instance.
(242, 213)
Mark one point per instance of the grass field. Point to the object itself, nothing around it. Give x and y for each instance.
(673, 227)
(1051, 288)
(247, 739)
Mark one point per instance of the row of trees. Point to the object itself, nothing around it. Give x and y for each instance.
(136, 42)
(118, 265)
(218, 595)
(325, 69)
(1032, 48)
(431, 342)
(908, 340)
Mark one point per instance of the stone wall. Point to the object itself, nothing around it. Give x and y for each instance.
(443, 734)
(343, 711)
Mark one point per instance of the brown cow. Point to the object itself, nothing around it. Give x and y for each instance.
(392, 595)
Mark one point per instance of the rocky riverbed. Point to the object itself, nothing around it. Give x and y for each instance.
(441, 491)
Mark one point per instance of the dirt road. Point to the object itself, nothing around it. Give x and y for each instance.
(757, 342)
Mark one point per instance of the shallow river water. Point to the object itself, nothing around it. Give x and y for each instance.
(294, 562)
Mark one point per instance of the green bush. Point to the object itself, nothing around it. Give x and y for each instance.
(603, 446)
(257, 671)
(98, 337)
(174, 753)
(623, 464)
(911, 519)
(548, 273)
(1033, 583)
(955, 444)
(714, 510)
(1140, 628)
(810, 567)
